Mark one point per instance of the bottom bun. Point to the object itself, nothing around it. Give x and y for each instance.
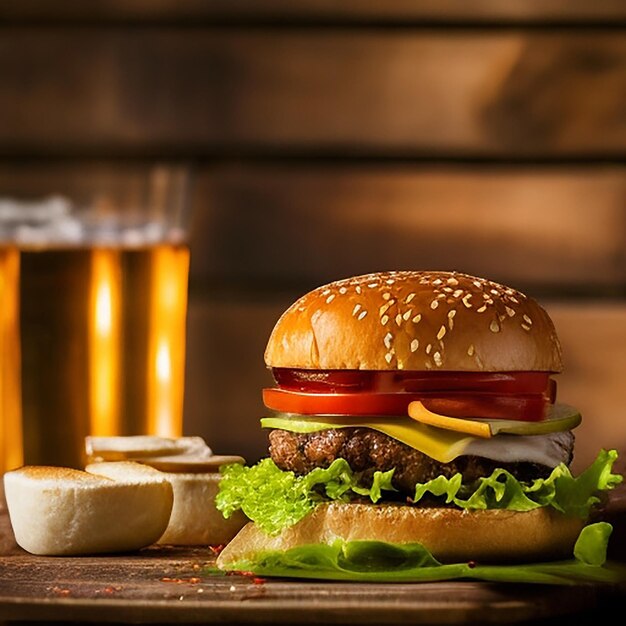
(451, 535)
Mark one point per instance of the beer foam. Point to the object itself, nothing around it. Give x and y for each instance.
(56, 221)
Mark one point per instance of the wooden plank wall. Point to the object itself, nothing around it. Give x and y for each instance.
(333, 138)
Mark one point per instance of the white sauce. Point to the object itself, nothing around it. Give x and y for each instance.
(549, 450)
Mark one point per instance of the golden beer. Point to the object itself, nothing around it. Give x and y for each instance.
(92, 341)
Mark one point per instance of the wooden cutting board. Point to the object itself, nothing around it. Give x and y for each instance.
(173, 585)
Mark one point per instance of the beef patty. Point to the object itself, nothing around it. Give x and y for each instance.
(368, 450)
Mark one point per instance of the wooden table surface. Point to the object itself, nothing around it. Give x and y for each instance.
(173, 585)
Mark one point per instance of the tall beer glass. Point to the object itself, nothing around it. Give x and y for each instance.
(93, 297)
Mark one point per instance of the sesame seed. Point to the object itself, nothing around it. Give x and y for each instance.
(441, 333)
(514, 299)
(437, 281)
(387, 340)
(494, 292)
(525, 327)
(451, 315)
(362, 314)
(470, 350)
(441, 296)
(465, 300)
(417, 318)
(383, 309)
(342, 290)
(482, 309)
(415, 344)
(527, 319)
(325, 292)
(453, 281)
(384, 319)
(356, 309)
(448, 289)
(494, 327)
(330, 298)
(388, 357)
(428, 348)
(501, 317)
(434, 304)
(478, 284)
(390, 281)
(400, 365)
(358, 289)
(398, 319)
(386, 295)
(437, 359)
(407, 314)
(372, 285)
(457, 293)
(428, 365)
(510, 311)
(409, 298)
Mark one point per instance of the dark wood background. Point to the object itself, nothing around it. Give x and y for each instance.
(331, 138)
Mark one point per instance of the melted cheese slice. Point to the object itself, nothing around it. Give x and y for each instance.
(559, 418)
(437, 443)
(471, 427)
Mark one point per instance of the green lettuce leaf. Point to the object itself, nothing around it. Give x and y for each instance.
(592, 544)
(275, 499)
(377, 561)
(571, 495)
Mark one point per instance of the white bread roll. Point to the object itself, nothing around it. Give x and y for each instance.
(62, 511)
(127, 448)
(194, 519)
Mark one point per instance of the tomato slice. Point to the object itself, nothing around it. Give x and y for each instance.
(348, 381)
(527, 407)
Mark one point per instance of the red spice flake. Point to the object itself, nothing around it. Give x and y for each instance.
(471, 564)
(240, 573)
(250, 575)
(217, 549)
(60, 592)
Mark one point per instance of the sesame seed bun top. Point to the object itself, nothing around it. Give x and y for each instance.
(415, 321)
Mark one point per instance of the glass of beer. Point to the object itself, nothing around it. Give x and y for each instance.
(93, 300)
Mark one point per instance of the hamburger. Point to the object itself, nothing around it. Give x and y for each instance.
(414, 434)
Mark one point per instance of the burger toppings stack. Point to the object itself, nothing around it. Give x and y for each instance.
(414, 428)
